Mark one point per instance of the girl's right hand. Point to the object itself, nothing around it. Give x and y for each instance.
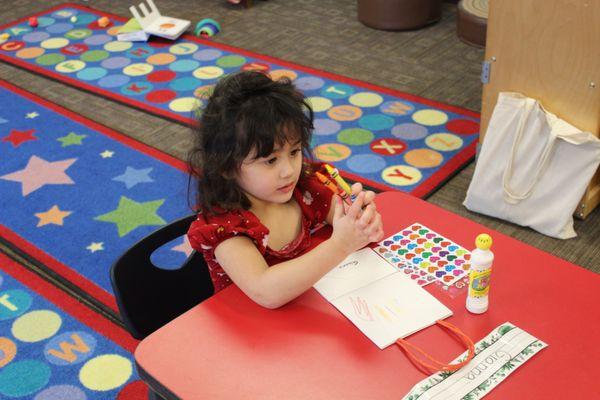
(349, 230)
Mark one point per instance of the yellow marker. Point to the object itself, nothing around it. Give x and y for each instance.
(338, 179)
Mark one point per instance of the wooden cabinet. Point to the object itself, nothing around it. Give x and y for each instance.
(550, 51)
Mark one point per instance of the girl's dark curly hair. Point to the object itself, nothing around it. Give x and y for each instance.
(246, 112)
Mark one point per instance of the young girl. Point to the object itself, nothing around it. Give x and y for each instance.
(258, 196)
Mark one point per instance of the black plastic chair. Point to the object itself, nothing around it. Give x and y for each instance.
(148, 297)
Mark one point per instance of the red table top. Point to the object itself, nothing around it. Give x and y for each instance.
(229, 347)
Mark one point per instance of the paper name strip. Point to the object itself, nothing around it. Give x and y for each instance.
(498, 355)
(383, 303)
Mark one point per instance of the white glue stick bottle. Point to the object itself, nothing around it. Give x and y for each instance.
(479, 277)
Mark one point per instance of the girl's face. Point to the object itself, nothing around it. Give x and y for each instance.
(271, 179)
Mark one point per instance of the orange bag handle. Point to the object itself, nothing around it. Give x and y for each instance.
(434, 364)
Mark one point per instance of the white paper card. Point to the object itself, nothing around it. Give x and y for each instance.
(390, 308)
(357, 270)
(499, 354)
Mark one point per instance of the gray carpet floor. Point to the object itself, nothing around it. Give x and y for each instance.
(324, 34)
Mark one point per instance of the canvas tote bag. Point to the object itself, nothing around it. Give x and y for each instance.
(533, 167)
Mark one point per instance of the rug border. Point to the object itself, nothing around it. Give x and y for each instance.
(423, 190)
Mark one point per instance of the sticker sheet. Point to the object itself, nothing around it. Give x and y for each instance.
(425, 255)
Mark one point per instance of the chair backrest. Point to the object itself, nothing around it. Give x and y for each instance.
(147, 296)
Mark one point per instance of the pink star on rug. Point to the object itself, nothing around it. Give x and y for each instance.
(17, 137)
(40, 172)
(184, 247)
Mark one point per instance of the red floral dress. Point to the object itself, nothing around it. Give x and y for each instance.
(207, 231)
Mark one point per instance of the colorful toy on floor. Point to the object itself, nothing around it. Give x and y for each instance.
(103, 22)
(73, 19)
(207, 27)
(4, 36)
(33, 22)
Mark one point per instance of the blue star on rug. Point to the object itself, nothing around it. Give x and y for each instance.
(132, 176)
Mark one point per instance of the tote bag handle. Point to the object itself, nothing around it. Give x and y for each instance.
(545, 157)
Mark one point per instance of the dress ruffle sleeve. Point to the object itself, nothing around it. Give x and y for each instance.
(207, 232)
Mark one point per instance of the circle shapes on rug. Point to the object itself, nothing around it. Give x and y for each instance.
(210, 72)
(207, 55)
(61, 27)
(133, 391)
(105, 372)
(91, 74)
(78, 34)
(97, 40)
(423, 158)
(183, 48)
(50, 59)
(45, 21)
(283, 73)
(138, 69)
(337, 91)
(401, 175)
(161, 96)
(463, 126)
(231, 61)
(309, 83)
(344, 113)
(74, 49)
(70, 66)
(30, 52)
(8, 349)
(140, 52)
(161, 59)
(23, 377)
(35, 37)
(331, 152)
(113, 81)
(37, 325)
(83, 345)
(85, 19)
(21, 301)
(184, 65)
(256, 66)
(444, 141)
(137, 88)
(365, 99)
(388, 146)
(115, 62)
(355, 136)
(326, 126)
(376, 122)
(12, 45)
(94, 55)
(409, 131)
(183, 84)
(54, 43)
(430, 117)
(185, 104)
(116, 46)
(396, 108)
(63, 14)
(60, 392)
(204, 92)
(319, 104)
(365, 163)
(161, 76)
